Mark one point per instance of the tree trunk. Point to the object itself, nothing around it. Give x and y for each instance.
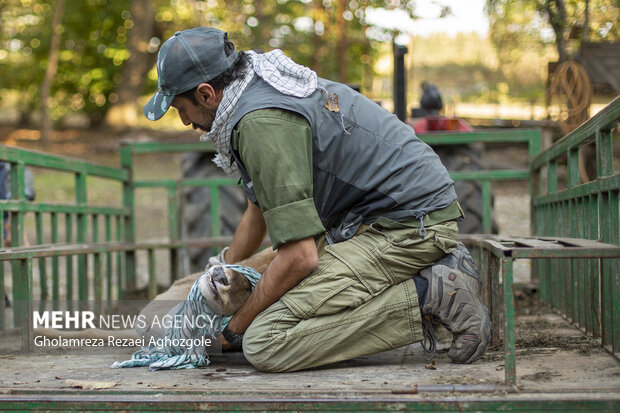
(342, 42)
(317, 9)
(557, 19)
(50, 73)
(586, 23)
(125, 112)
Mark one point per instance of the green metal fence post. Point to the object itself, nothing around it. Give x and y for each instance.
(108, 255)
(42, 268)
(152, 289)
(22, 297)
(130, 226)
(119, 260)
(82, 223)
(98, 281)
(55, 283)
(486, 206)
(509, 322)
(69, 259)
(173, 228)
(215, 211)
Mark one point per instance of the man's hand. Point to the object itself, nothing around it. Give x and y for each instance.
(293, 262)
(218, 259)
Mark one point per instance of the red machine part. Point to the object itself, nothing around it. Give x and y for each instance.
(439, 123)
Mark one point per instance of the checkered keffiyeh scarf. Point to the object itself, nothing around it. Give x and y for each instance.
(179, 356)
(276, 69)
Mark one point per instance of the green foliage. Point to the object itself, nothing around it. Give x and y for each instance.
(327, 35)
(93, 48)
(517, 24)
(525, 41)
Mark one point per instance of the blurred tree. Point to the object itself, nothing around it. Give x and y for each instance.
(91, 53)
(141, 27)
(50, 72)
(515, 23)
(108, 47)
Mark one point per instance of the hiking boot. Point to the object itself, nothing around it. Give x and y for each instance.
(454, 298)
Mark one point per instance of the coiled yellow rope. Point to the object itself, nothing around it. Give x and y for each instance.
(571, 87)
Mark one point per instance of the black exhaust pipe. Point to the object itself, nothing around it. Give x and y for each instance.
(400, 82)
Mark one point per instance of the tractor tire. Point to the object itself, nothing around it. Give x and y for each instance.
(469, 193)
(196, 207)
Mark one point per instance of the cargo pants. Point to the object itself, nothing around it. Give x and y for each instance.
(360, 300)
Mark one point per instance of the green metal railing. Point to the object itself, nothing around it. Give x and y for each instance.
(531, 137)
(586, 291)
(174, 189)
(102, 240)
(82, 223)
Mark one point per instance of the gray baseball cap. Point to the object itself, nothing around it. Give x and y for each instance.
(187, 59)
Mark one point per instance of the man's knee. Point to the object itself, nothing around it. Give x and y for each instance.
(258, 348)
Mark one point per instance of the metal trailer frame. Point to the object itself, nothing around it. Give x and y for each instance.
(114, 259)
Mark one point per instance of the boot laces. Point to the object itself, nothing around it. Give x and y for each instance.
(429, 338)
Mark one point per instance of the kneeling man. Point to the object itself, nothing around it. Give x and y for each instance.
(362, 213)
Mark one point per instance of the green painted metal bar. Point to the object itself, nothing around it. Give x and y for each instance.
(607, 283)
(177, 401)
(61, 163)
(94, 228)
(614, 269)
(215, 212)
(119, 261)
(572, 266)
(169, 183)
(510, 373)
(98, 282)
(593, 265)
(70, 209)
(572, 273)
(605, 120)
(491, 136)
(166, 147)
(18, 179)
(81, 198)
(510, 174)
(486, 207)
(591, 188)
(152, 288)
(59, 250)
(108, 255)
(573, 168)
(55, 270)
(534, 144)
(25, 278)
(494, 268)
(69, 260)
(174, 229)
(604, 153)
(42, 267)
(22, 295)
(129, 224)
(209, 182)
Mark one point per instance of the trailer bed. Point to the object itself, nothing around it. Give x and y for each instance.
(558, 368)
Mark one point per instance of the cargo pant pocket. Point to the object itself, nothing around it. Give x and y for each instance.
(329, 289)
